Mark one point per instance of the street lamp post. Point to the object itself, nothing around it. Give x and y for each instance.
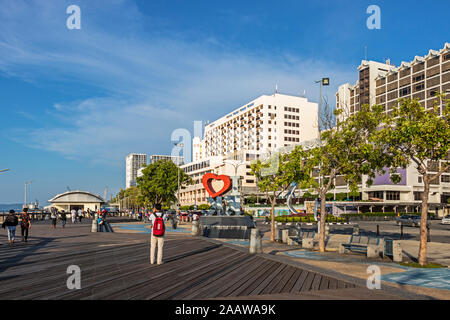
(235, 165)
(323, 82)
(181, 145)
(25, 197)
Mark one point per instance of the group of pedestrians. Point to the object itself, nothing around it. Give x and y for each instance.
(11, 223)
(157, 219)
(77, 215)
(55, 215)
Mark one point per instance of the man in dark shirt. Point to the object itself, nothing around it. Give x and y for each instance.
(25, 224)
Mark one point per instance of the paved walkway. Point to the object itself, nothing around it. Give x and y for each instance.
(433, 282)
(356, 265)
(116, 266)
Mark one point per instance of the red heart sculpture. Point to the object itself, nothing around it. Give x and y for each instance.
(207, 179)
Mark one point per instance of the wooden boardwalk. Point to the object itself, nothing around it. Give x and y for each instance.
(116, 266)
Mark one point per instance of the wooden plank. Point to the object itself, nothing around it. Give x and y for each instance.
(104, 284)
(280, 284)
(254, 280)
(234, 282)
(230, 291)
(292, 281)
(263, 284)
(316, 282)
(324, 283)
(212, 289)
(163, 290)
(156, 280)
(116, 266)
(333, 284)
(308, 281)
(107, 276)
(199, 283)
(204, 286)
(299, 282)
(340, 284)
(270, 273)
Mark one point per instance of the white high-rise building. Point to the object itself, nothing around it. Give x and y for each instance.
(198, 149)
(265, 124)
(178, 160)
(269, 123)
(134, 161)
(384, 84)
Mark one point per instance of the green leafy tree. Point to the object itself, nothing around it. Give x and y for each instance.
(413, 134)
(130, 198)
(275, 176)
(347, 150)
(159, 183)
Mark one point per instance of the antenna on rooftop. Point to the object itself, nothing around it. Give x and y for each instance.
(365, 53)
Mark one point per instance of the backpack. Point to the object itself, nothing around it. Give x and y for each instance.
(158, 227)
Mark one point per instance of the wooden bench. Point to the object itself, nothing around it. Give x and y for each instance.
(362, 244)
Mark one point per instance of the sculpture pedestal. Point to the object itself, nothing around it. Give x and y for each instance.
(226, 227)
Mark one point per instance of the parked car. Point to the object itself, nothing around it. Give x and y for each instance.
(446, 220)
(409, 220)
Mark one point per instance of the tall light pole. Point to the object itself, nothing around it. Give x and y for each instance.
(235, 165)
(323, 82)
(25, 199)
(181, 145)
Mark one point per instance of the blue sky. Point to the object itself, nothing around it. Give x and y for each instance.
(74, 103)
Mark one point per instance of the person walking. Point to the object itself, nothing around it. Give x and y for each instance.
(63, 218)
(73, 213)
(11, 223)
(101, 220)
(158, 230)
(80, 215)
(174, 220)
(25, 224)
(54, 218)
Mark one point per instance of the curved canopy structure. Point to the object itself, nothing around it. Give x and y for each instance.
(77, 197)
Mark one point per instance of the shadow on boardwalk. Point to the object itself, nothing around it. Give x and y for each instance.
(116, 266)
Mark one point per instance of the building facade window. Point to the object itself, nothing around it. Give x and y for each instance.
(392, 195)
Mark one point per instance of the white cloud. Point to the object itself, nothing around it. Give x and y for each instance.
(151, 85)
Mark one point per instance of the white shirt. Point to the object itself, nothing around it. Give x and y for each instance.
(153, 217)
(73, 212)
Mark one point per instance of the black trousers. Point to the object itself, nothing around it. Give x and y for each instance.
(24, 232)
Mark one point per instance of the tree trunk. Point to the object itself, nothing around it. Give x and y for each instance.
(272, 220)
(423, 222)
(322, 222)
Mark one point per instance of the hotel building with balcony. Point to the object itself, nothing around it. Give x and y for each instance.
(385, 84)
(263, 125)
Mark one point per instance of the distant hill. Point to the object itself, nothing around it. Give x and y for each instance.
(12, 206)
